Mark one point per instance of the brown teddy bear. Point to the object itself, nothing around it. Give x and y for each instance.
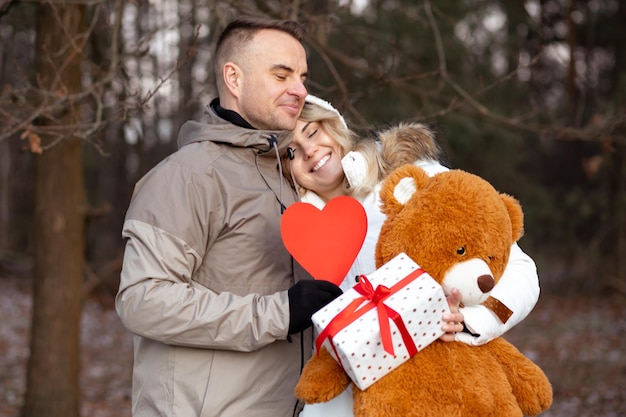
(459, 229)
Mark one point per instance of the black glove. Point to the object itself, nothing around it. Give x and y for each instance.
(305, 298)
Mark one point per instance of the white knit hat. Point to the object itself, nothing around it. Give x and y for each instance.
(325, 105)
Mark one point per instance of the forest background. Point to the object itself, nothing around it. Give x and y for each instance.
(528, 94)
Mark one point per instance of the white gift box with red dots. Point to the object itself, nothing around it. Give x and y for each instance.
(349, 327)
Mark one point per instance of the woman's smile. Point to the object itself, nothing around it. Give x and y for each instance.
(321, 163)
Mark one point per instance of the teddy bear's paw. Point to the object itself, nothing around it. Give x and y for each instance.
(532, 389)
(318, 389)
(529, 383)
(538, 399)
(322, 379)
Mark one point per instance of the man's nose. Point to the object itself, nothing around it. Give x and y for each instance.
(298, 89)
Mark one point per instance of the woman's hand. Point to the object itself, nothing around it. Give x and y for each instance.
(454, 319)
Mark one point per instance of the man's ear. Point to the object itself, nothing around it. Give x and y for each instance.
(232, 77)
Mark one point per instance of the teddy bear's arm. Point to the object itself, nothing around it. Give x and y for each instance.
(530, 384)
(518, 289)
(322, 379)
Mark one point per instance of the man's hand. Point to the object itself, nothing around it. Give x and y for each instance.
(305, 298)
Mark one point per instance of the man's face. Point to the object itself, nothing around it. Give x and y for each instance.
(271, 92)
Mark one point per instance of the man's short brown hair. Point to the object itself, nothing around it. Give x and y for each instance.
(240, 31)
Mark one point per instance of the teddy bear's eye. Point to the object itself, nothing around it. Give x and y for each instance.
(461, 251)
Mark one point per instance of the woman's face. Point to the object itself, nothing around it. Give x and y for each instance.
(317, 160)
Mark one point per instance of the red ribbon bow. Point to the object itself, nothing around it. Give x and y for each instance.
(374, 298)
(366, 289)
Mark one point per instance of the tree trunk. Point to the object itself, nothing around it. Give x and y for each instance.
(54, 363)
(5, 195)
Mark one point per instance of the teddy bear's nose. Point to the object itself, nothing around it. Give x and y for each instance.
(485, 283)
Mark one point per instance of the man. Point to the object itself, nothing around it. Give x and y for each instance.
(217, 304)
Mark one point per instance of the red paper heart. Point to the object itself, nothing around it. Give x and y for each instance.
(325, 242)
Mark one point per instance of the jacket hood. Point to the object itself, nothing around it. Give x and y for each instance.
(222, 131)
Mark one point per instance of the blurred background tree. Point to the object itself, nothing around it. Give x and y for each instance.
(530, 95)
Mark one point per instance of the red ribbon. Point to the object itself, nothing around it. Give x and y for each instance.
(373, 298)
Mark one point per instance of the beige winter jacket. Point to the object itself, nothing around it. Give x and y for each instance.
(205, 278)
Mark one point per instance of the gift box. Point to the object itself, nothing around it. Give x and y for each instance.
(385, 319)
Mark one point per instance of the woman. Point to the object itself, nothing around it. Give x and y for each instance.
(327, 160)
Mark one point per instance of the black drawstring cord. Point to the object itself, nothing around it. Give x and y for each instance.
(295, 184)
(274, 144)
(295, 407)
(291, 155)
(279, 197)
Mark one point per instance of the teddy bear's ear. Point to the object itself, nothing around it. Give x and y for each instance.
(400, 186)
(515, 214)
